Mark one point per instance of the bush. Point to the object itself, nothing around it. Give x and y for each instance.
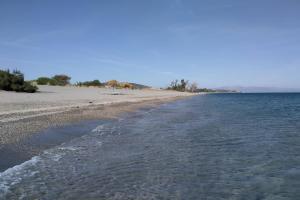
(53, 82)
(113, 83)
(94, 83)
(5, 80)
(28, 87)
(120, 85)
(15, 82)
(17, 88)
(61, 80)
(126, 86)
(43, 81)
(17, 78)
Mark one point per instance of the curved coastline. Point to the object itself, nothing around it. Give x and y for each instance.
(24, 130)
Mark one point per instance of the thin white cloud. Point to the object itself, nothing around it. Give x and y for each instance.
(29, 41)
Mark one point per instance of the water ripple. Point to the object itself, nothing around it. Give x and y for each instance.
(225, 146)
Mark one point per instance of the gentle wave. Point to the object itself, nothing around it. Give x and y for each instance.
(16, 174)
(234, 146)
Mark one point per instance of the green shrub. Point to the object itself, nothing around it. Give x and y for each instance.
(94, 83)
(5, 80)
(17, 78)
(53, 82)
(28, 87)
(62, 79)
(15, 82)
(43, 81)
(17, 87)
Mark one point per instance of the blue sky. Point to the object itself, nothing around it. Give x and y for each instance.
(215, 43)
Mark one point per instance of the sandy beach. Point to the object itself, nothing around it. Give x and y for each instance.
(22, 114)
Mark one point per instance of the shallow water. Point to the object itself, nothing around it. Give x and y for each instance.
(222, 146)
(21, 151)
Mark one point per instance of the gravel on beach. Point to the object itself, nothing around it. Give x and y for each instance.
(22, 114)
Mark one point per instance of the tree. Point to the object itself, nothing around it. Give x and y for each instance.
(175, 85)
(61, 79)
(183, 85)
(113, 83)
(193, 87)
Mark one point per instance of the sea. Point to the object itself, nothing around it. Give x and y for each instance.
(210, 147)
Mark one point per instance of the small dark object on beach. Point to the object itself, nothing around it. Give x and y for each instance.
(117, 94)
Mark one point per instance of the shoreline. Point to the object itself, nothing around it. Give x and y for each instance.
(32, 123)
(19, 128)
(28, 137)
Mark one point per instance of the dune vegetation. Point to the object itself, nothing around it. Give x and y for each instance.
(60, 80)
(14, 81)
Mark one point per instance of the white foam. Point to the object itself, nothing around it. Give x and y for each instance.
(98, 128)
(70, 148)
(56, 157)
(15, 174)
(51, 154)
(98, 143)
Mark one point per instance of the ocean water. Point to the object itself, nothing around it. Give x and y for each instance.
(219, 146)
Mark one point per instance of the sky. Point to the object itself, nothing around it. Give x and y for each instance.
(216, 43)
